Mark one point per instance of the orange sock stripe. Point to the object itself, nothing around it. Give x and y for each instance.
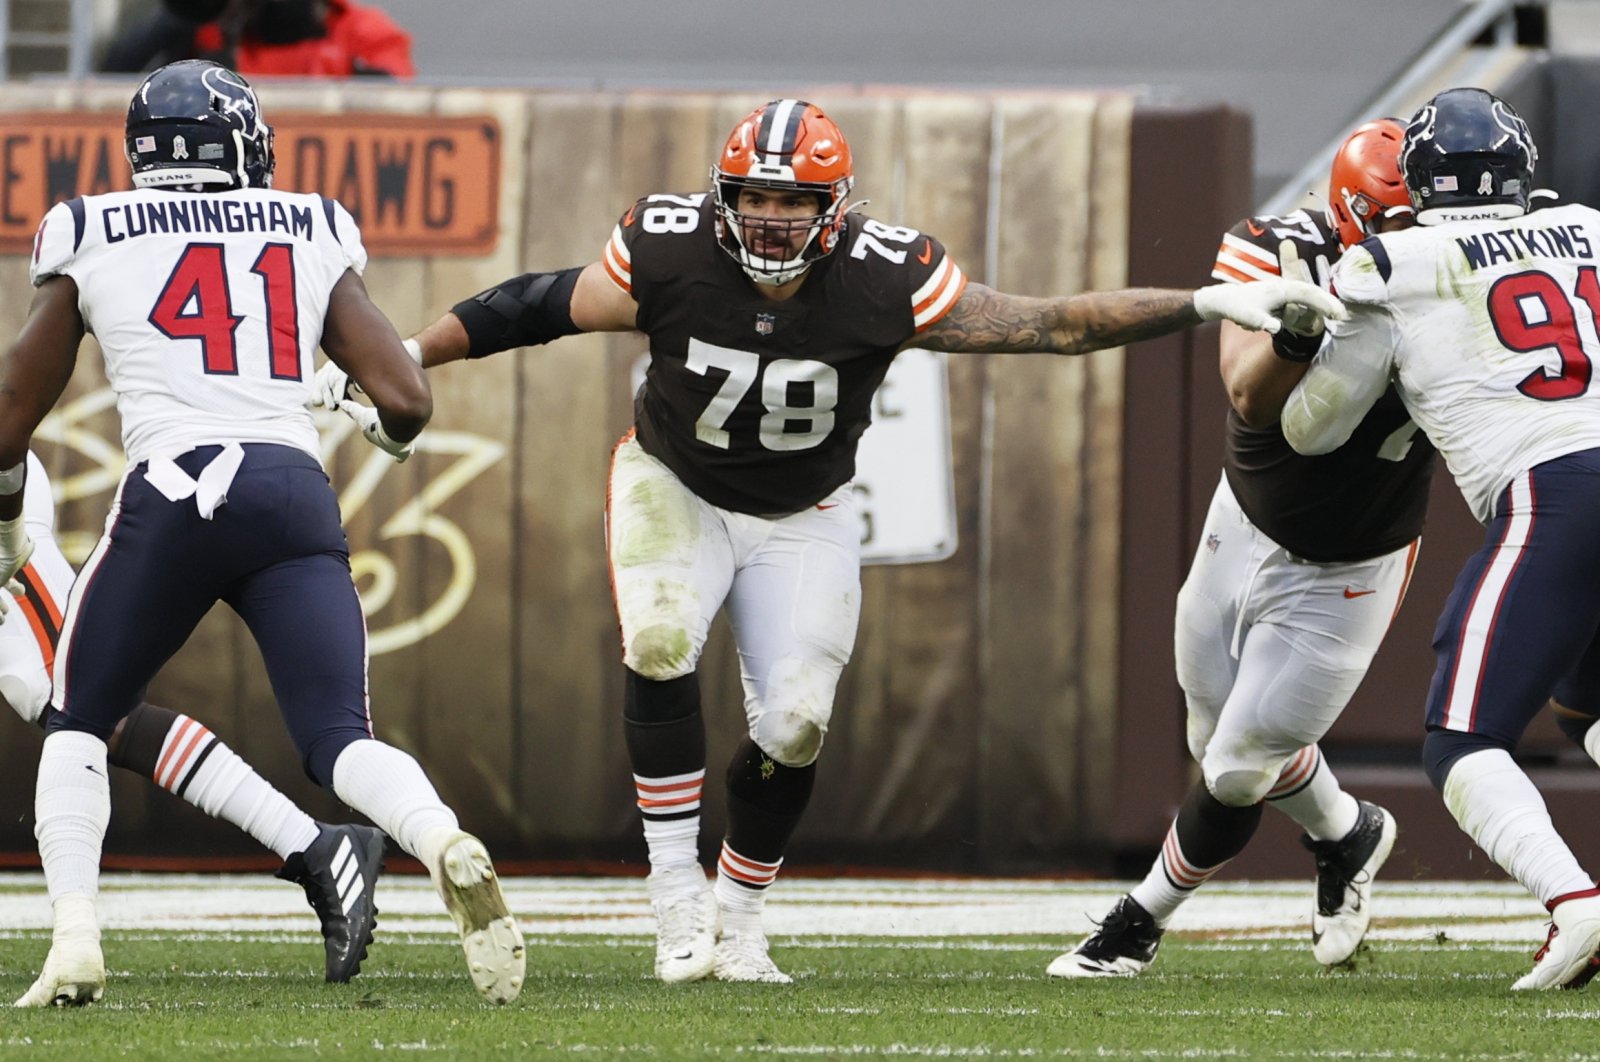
(673, 787)
(189, 738)
(1296, 771)
(737, 873)
(749, 865)
(174, 739)
(1179, 869)
(676, 802)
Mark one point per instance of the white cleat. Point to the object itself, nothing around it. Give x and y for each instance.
(743, 957)
(496, 958)
(687, 921)
(74, 975)
(1345, 869)
(1568, 958)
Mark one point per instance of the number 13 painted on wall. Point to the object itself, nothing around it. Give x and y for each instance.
(196, 304)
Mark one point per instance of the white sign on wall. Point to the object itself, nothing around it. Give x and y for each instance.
(903, 476)
(904, 482)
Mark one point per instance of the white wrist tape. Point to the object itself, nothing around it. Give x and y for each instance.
(414, 349)
(11, 478)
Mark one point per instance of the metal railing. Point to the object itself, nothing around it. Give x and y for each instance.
(76, 38)
(1410, 89)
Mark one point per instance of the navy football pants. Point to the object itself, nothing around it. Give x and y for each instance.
(1521, 622)
(274, 551)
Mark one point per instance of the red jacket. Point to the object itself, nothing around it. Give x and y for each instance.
(359, 40)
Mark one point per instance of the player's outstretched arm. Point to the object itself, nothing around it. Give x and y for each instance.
(988, 321)
(526, 311)
(35, 373)
(362, 342)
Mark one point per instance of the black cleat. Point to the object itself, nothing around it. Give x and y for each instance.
(1345, 869)
(339, 872)
(1124, 945)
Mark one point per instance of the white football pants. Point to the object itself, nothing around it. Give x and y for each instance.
(1271, 648)
(31, 627)
(792, 586)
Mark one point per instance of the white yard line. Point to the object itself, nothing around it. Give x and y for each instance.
(805, 908)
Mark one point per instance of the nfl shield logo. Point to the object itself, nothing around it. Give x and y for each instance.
(765, 323)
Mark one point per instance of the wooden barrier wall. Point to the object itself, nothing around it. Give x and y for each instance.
(977, 727)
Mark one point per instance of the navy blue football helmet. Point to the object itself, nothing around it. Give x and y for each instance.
(195, 124)
(1467, 149)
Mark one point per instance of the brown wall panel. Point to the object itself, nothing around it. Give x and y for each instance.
(1011, 707)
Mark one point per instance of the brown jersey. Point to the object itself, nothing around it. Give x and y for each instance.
(1362, 500)
(757, 405)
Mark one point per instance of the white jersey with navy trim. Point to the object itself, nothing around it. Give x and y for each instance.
(208, 307)
(1490, 330)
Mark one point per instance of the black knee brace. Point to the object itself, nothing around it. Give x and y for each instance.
(1442, 748)
(765, 802)
(136, 744)
(1211, 832)
(662, 725)
(650, 702)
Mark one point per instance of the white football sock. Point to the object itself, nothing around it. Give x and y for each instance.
(1591, 742)
(72, 805)
(389, 787)
(741, 888)
(1159, 893)
(1498, 806)
(197, 766)
(671, 842)
(1321, 807)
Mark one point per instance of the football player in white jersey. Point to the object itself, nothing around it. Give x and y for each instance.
(183, 756)
(1302, 563)
(209, 293)
(1485, 317)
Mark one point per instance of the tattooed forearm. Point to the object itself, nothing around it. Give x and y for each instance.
(987, 321)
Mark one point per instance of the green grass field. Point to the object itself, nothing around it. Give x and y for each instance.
(956, 971)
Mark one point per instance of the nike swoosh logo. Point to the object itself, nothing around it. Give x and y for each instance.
(927, 253)
(684, 955)
(833, 505)
(627, 219)
(1351, 594)
(1255, 230)
(90, 768)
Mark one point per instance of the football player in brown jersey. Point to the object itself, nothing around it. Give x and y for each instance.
(1303, 562)
(773, 313)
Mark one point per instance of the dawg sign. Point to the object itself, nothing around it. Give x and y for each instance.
(416, 185)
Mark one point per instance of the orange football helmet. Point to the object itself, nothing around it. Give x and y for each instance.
(787, 145)
(1365, 181)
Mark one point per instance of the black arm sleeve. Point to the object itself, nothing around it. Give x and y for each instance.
(524, 311)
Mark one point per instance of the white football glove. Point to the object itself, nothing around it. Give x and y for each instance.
(366, 419)
(16, 548)
(330, 386)
(1299, 319)
(1256, 306)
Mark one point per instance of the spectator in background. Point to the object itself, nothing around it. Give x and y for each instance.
(289, 38)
